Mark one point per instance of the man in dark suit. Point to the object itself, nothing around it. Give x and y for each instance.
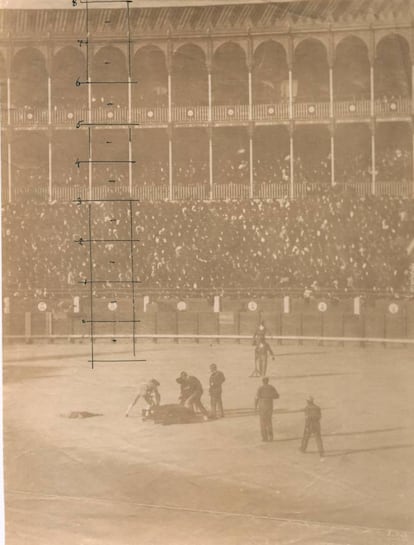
(264, 402)
(191, 392)
(313, 416)
(261, 352)
(216, 380)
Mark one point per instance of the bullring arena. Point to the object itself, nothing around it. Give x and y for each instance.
(173, 175)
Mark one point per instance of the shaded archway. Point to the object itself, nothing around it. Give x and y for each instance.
(311, 71)
(29, 79)
(312, 149)
(109, 65)
(392, 68)
(190, 156)
(353, 153)
(394, 152)
(230, 155)
(150, 151)
(67, 66)
(150, 70)
(230, 77)
(351, 73)
(271, 162)
(189, 77)
(270, 70)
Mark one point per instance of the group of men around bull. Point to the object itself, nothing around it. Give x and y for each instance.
(191, 391)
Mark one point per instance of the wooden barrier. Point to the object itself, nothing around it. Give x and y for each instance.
(369, 327)
(218, 337)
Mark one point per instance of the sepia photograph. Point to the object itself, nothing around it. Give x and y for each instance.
(207, 271)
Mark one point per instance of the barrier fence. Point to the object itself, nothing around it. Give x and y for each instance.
(299, 327)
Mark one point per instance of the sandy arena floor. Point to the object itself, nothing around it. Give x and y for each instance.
(111, 480)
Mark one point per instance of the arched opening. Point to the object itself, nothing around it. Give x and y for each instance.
(189, 77)
(270, 73)
(311, 71)
(353, 153)
(394, 152)
(67, 66)
(29, 79)
(150, 70)
(271, 161)
(312, 148)
(150, 151)
(230, 77)
(67, 147)
(109, 66)
(392, 68)
(30, 161)
(351, 70)
(190, 156)
(230, 155)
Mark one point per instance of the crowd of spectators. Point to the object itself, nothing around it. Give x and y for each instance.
(394, 164)
(391, 166)
(337, 240)
(354, 169)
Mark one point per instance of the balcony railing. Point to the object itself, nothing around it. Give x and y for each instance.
(226, 114)
(351, 109)
(312, 110)
(190, 114)
(271, 112)
(230, 113)
(68, 193)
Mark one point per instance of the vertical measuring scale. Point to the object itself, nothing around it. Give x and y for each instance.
(98, 245)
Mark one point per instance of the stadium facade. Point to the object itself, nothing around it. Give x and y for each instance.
(231, 100)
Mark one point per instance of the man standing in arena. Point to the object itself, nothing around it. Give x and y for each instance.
(264, 402)
(260, 333)
(184, 388)
(151, 396)
(261, 352)
(216, 380)
(312, 426)
(191, 392)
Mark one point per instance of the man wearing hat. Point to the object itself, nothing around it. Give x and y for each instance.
(216, 380)
(312, 426)
(264, 402)
(150, 394)
(191, 392)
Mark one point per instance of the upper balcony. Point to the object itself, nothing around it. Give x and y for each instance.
(276, 113)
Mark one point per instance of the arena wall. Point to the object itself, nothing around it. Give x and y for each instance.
(379, 321)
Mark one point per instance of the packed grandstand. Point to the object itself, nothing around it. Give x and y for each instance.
(331, 240)
(271, 146)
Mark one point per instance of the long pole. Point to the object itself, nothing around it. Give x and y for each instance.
(291, 151)
(91, 282)
(132, 276)
(210, 162)
(50, 170)
(170, 169)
